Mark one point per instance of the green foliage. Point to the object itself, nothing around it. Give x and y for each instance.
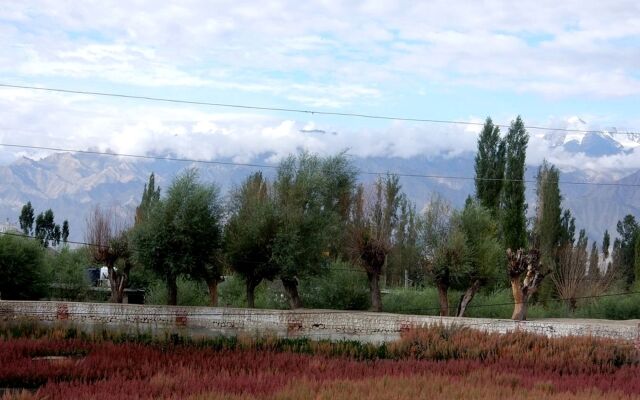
(450, 266)
(47, 231)
(594, 269)
(547, 227)
(182, 234)
(309, 211)
(67, 269)
(568, 229)
(22, 269)
(405, 253)
(514, 207)
(490, 166)
(268, 295)
(606, 244)
(414, 301)
(250, 233)
(26, 219)
(65, 231)
(486, 255)
(628, 232)
(342, 287)
(311, 195)
(150, 196)
(190, 293)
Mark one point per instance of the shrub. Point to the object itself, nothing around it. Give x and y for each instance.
(22, 269)
(67, 268)
(343, 287)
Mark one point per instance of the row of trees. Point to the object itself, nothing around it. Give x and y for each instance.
(46, 230)
(314, 212)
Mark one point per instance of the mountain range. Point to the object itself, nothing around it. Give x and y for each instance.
(72, 183)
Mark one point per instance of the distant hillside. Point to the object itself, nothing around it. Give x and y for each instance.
(71, 184)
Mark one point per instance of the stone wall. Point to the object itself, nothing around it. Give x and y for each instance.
(315, 324)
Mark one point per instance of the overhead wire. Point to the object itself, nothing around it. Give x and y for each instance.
(254, 165)
(297, 110)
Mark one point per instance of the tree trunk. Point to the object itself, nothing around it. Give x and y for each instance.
(443, 299)
(212, 284)
(117, 293)
(467, 297)
(172, 291)
(291, 286)
(251, 293)
(374, 288)
(520, 301)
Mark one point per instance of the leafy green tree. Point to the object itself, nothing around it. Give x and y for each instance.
(26, 219)
(22, 269)
(484, 260)
(490, 166)
(548, 224)
(514, 207)
(150, 196)
(405, 253)
(250, 234)
(65, 231)
(182, 235)
(594, 269)
(450, 264)
(371, 231)
(567, 229)
(605, 245)
(628, 231)
(310, 196)
(47, 231)
(637, 258)
(440, 250)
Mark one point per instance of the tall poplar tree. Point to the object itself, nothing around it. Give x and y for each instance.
(547, 229)
(514, 208)
(489, 166)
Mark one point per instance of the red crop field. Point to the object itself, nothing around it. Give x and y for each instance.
(428, 363)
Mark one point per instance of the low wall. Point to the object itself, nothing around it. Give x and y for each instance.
(314, 324)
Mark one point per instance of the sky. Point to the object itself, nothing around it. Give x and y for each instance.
(568, 64)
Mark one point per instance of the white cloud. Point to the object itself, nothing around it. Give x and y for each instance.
(552, 48)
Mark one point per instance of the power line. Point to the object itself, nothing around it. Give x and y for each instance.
(229, 163)
(297, 110)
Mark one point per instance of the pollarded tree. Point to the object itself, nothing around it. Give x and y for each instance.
(309, 195)
(490, 166)
(182, 235)
(371, 231)
(108, 244)
(250, 233)
(484, 258)
(514, 207)
(526, 274)
(438, 247)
